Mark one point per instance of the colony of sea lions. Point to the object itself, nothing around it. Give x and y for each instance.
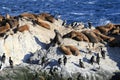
(99, 34)
(8, 22)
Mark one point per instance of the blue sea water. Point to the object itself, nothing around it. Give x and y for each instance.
(99, 12)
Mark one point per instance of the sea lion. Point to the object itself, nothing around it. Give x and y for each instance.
(115, 31)
(43, 24)
(106, 28)
(65, 50)
(91, 36)
(58, 38)
(13, 23)
(75, 51)
(23, 28)
(5, 28)
(79, 36)
(43, 15)
(28, 15)
(102, 37)
(46, 17)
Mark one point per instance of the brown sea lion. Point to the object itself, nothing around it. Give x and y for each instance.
(58, 37)
(91, 36)
(5, 28)
(116, 30)
(75, 51)
(43, 24)
(105, 29)
(13, 21)
(47, 17)
(79, 36)
(103, 37)
(65, 50)
(23, 28)
(28, 15)
(43, 15)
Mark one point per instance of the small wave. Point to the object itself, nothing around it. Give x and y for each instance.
(34, 0)
(103, 21)
(6, 8)
(74, 13)
(112, 14)
(90, 2)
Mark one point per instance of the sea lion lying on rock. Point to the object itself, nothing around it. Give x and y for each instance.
(13, 21)
(23, 28)
(69, 49)
(28, 15)
(75, 51)
(46, 17)
(65, 50)
(103, 37)
(91, 36)
(106, 28)
(43, 24)
(115, 31)
(5, 28)
(76, 36)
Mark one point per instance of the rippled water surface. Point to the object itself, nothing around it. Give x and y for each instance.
(98, 11)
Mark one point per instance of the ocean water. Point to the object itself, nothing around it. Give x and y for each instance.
(99, 12)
